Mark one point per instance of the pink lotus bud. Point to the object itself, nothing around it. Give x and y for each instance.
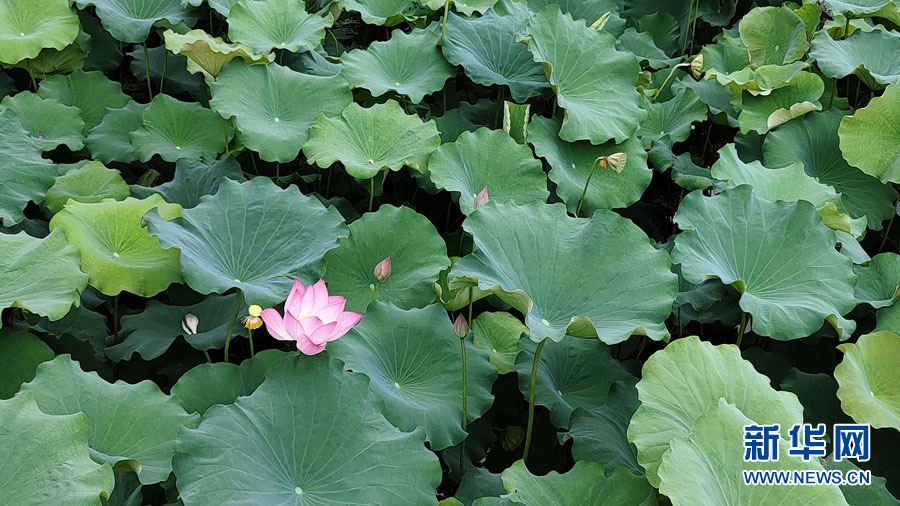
(189, 323)
(482, 198)
(461, 327)
(383, 269)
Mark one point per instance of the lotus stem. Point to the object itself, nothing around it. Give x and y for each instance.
(534, 366)
(887, 232)
(250, 338)
(499, 113)
(237, 310)
(375, 290)
(444, 22)
(663, 85)
(208, 358)
(586, 183)
(371, 192)
(162, 78)
(741, 329)
(147, 69)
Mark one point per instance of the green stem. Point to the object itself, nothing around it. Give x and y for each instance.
(371, 192)
(741, 330)
(534, 366)
(499, 113)
(663, 85)
(237, 310)
(680, 326)
(584, 193)
(208, 358)
(162, 78)
(375, 291)
(444, 21)
(465, 394)
(147, 70)
(887, 232)
(278, 173)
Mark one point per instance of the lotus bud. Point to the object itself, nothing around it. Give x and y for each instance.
(461, 327)
(189, 323)
(697, 66)
(615, 161)
(383, 269)
(482, 198)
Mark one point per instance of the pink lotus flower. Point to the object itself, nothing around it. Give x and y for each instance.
(481, 199)
(312, 318)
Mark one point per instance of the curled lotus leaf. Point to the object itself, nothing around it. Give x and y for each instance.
(209, 54)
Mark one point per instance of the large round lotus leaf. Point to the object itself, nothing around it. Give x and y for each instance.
(151, 332)
(642, 45)
(50, 62)
(586, 484)
(467, 7)
(48, 121)
(571, 162)
(308, 435)
(706, 467)
(151, 417)
(24, 176)
(498, 334)
(110, 140)
(773, 36)
(130, 21)
(597, 94)
(265, 102)
(856, 6)
(40, 275)
(573, 373)
(27, 26)
(409, 63)
(877, 124)
(283, 24)
(116, 251)
(487, 50)
(600, 434)
(90, 92)
(174, 129)
(418, 255)
(868, 381)
(762, 113)
(680, 382)
(413, 361)
(209, 54)
(587, 10)
(778, 255)
(378, 12)
(878, 283)
(366, 140)
(193, 179)
(871, 56)
(488, 158)
(47, 460)
(671, 120)
(252, 236)
(91, 183)
(813, 140)
(20, 354)
(601, 277)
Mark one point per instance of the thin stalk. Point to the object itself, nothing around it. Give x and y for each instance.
(465, 394)
(237, 310)
(225, 135)
(680, 326)
(846, 25)
(328, 182)
(208, 358)
(741, 330)
(116, 319)
(444, 21)
(690, 15)
(250, 337)
(887, 232)
(162, 78)
(586, 183)
(31, 75)
(499, 112)
(534, 366)
(694, 26)
(278, 173)
(147, 70)
(663, 85)
(375, 290)
(371, 192)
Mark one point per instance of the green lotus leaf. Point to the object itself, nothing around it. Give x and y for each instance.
(209, 54)
(878, 283)
(515, 120)
(486, 49)
(90, 92)
(603, 277)
(268, 24)
(131, 21)
(642, 45)
(245, 254)
(672, 118)
(48, 461)
(367, 140)
(773, 36)
(764, 112)
(91, 183)
(856, 6)
(309, 434)
(868, 55)
(818, 394)
(600, 434)
(174, 129)
(588, 10)
(263, 100)
(413, 359)
(875, 494)
(778, 255)
(61, 387)
(40, 275)
(28, 26)
(20, 354)
(488, 158)
(573, 373)
(571, 163)
(193, 180)
(151, 332)
(498, 334)
(586, 484)
(48, 121)
(418, 255)
(467, 7)
(51, 62)
(706, 467)
(877, 124)
(378, 12)
(867, 379)
(104, 53)
(679, 384)
(409, 63)
(110, 140)
(222, 383)
(716, 97)
(467, 117)
(813, 140)
(116, 251)
(597, 94)
(24, 176)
